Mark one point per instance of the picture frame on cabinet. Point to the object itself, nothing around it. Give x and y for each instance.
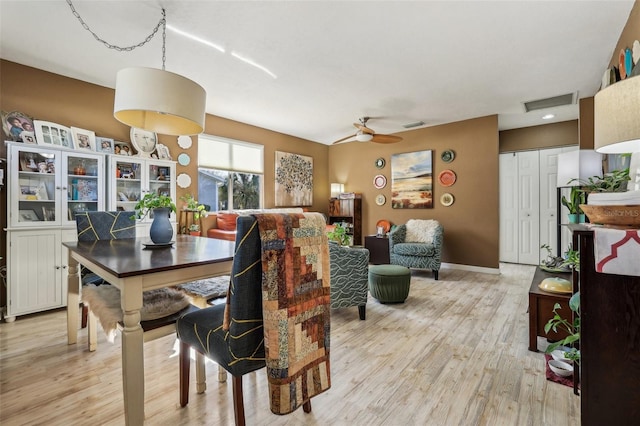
(49, 214)
(28, 216)
(17, 126)
(53, 134)
(122, 148)
(84, 140)
(104, 145)
(163, 152)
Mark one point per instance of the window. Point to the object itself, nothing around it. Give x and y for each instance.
(230, 173)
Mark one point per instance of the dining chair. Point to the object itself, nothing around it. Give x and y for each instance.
(113, 225)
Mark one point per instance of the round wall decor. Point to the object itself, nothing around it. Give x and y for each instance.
(447, 177)
(381, 199)
(448, 156)
(184, 159)
(380, 163)
(184, 141)
(379, 181)
(446, 199)
(183, 180)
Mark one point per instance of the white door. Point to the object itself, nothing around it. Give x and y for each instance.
(548, 197)
(508, 208)
(528, 208)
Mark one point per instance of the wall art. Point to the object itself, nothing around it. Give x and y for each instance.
(294, 179)
(412, 180)
(18, 127)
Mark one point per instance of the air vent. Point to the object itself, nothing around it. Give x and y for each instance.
(412, 125)
(568, 99)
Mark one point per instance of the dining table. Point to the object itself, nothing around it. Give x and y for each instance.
(133, 266)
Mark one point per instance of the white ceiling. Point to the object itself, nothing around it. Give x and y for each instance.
(398, 62)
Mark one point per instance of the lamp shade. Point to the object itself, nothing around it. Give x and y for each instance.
(579, 164)
(363, 137)
(616, 120)
(159, 101)
(336, 189)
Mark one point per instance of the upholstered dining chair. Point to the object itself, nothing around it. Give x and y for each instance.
(349, 277)
(234, 335)
(113, 225)
(417, 244)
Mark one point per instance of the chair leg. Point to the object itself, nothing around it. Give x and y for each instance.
(362, 310)
(92, 331)
(238, 403)
(185, 365)
(85, 315)
(201, 374)
(435, 274)
(222, 374)
(307, 406)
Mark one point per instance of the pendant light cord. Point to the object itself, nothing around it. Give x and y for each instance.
(162, 23)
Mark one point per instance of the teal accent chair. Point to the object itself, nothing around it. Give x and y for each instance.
(416, 248)
(349, 277)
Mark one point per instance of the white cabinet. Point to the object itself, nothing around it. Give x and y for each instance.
(46, 187)
(130, 178)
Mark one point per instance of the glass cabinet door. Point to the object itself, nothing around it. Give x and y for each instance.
(128, 175)
(82, 185)
(161, 180)
(35, 197)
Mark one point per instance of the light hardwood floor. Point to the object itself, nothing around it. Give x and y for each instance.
(454, 354)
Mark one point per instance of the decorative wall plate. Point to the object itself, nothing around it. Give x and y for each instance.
(386, 225)
(183, 180)
(447, 177)
(448, 156)
(380, 163)
(446, 199)
(623, 70)
(379, 181)
(380, 200)
(636, 52)
(184, 159)
(184, 142)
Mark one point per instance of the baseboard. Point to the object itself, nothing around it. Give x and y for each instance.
(494, 271)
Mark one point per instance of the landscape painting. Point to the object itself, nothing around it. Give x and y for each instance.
(412, 180)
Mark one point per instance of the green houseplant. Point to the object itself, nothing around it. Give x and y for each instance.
(192, 204)
(161, 230)
(572, 328)
(339, 235)
(578, 197)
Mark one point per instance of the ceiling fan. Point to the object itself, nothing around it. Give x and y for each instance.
(365, 134)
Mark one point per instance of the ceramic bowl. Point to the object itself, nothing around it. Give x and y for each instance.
(561, 368)
(558, 355)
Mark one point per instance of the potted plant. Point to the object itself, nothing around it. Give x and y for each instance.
(192, 204)
(161, 230)
(577, 197)
(194, 229)
(572, 328)
(616, 181)
(339, 235)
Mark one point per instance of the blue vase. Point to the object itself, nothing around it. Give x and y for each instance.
(161, 230)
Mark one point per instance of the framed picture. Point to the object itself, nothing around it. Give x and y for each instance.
(163, 173)
(49, 213)
(28, 216)
(104, 145)
(84, 139)
(163, 152)
(17, 127)
(48, 134)
(294, 179)
(412, 180)
(122, 148)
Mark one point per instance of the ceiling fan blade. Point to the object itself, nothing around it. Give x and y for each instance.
(378, 138)
(363, 129)
(343, 139)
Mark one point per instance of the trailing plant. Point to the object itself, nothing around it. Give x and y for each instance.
(152, 201)
(572, 328)
(572, 259)
(339, 235)
(615, 181)
(552, 262)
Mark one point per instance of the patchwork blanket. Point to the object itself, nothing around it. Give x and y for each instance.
(296, 307)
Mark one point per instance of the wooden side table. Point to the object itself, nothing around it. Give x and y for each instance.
(541, 305)
(186, 219)
(378, 249)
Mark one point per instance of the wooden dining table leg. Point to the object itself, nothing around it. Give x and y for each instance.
(132, 351)
(73, 300)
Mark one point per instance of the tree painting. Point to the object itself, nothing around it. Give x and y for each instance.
(294, 179)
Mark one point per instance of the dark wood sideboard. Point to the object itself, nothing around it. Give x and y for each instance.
(609, 340)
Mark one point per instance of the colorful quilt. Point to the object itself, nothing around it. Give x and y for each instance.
(296, 307)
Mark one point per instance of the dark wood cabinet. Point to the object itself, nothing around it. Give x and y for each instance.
(378, 249)
(348, 211)
(609, 340)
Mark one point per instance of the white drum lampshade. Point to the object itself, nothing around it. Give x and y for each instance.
(579, 164)
(616, 117)
(159, 101)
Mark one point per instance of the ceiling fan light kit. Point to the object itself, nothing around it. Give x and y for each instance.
(365, 134)
(363, 137)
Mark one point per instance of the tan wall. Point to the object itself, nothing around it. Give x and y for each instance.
(630, 32)
(471, 226)
(537, 137)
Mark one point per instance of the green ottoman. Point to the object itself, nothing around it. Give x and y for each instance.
(389, 283)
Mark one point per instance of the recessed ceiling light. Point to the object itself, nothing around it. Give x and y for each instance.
(548, 116)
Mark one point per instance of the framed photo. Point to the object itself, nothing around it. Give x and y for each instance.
(17, 127)
(412, 180)
(28, 216)
(163, 152)
(294, 179)
(122, 148)
(84, 139)
(49, 213)
(163, 173)
(104, 145)
(49, 134)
